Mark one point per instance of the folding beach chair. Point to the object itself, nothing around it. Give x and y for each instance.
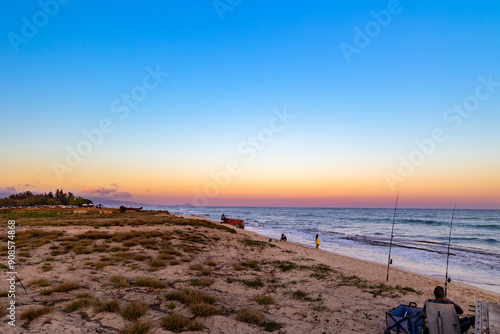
(442, 318)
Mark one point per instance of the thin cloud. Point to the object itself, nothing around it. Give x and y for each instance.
(123, 194)
(99, 191)
(8, 190)
(107, 192)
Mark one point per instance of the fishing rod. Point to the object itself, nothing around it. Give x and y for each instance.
(389, 261)
(448, 257)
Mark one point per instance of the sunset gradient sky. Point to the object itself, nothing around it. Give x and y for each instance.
(253, 103)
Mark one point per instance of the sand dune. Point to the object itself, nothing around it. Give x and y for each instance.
(96, 272)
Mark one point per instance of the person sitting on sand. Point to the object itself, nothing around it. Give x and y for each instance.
(317, 241)
(465, 322)
(222, 217)
(283, 237)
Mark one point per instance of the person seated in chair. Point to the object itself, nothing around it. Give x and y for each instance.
(465, 322)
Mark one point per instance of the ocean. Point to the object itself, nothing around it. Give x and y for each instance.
(420, 242)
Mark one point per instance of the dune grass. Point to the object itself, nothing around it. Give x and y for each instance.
(150, 283)
(32, 313)
(119, 281)
(63, 287)
(190, 296)
(134, 310)
(76, 304)
(202, 281)
(178, 323)
(107, 306)
(251, 316)
(137, 327)
(264, 300)
(203, 309)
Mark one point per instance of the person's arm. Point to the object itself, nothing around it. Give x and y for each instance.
(458, 309)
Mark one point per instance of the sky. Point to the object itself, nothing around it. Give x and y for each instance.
(253, 103)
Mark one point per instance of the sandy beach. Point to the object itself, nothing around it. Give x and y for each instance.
(101, 271)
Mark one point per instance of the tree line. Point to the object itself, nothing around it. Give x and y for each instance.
(27, 198)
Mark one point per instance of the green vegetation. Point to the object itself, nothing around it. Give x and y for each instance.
(256, 243)
(251, 316)
(177, 323)
(28, 198)
(150, 282)
(202, 281)
(251, 264)
(255, 317)
(203, 310)
(256, 283)
(299, 294)
(272, 326)
(63, 287)
(137, 327)
(134, 310)
(190, 296)
(42, 282)
(285, 265)
(76, 304)
(33, 313)
(119, 281)
(264, 300)
(108, 306)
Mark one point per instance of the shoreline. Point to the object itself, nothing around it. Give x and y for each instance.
(383, 267)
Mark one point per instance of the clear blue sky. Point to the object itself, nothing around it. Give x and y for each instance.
(352, 119)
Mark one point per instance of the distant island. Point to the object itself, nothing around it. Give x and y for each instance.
(27, 198)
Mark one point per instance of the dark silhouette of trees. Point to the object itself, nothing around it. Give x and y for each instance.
(27, 198)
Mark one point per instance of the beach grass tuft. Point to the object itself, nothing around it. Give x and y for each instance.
(272, 326)
(202, 281)
(190, 296)
(285, 266)
(137, 327)
(256, 243)
(174, 322)
(264, 300)
(134, 310)
(63, 287)
(119, 281)
(256, 283)
(76, 304)
(41, 282)
(107, 306)
(32, 313)
(203, 310)
(251, 316)
(299, 295)
(150, 282)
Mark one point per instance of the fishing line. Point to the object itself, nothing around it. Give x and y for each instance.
(389, 261)
(448, 257)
